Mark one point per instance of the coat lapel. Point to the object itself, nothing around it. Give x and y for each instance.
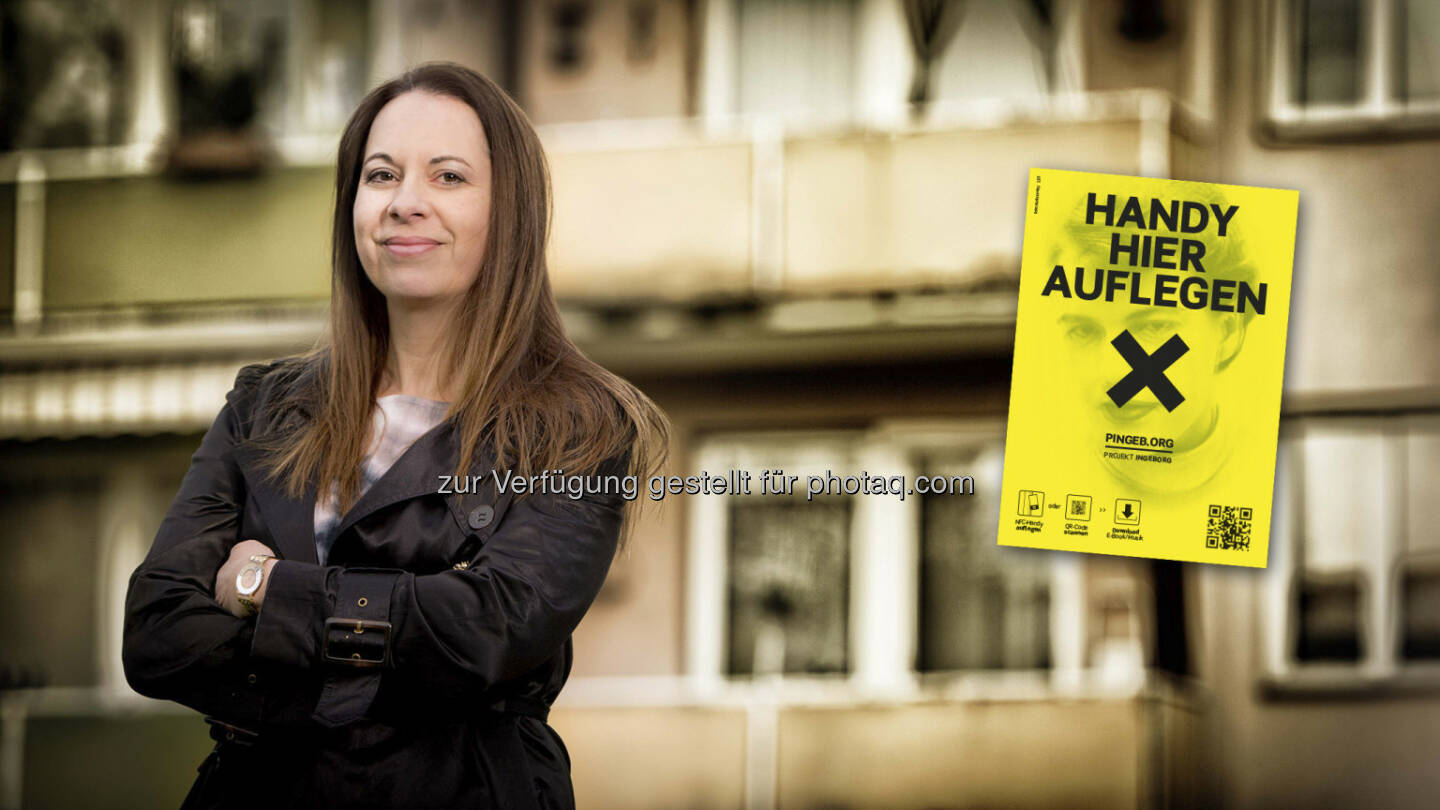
(416, 473)
(291, 520)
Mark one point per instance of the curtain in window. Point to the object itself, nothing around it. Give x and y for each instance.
(931, 24)
(797, 57)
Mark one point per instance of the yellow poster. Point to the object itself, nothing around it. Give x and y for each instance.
(1149, 351)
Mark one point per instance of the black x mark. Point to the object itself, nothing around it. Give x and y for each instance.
(1147, 370)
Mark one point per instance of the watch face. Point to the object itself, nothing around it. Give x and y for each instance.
(254, 585)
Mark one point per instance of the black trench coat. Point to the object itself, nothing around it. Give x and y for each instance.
(414, 670)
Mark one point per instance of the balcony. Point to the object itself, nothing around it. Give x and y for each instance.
(676, 245)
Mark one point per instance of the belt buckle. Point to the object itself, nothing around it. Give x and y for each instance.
(354, 627)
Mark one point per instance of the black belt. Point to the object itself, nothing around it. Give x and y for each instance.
(231, 734)
(355, 646)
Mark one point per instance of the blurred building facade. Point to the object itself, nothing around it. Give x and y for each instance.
(797, 226)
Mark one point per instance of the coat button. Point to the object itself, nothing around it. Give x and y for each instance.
(481, 516)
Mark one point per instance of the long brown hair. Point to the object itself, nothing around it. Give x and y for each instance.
(522, 384)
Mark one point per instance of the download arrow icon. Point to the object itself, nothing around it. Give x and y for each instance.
(1127, 510)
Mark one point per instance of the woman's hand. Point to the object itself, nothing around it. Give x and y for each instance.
(225, 587)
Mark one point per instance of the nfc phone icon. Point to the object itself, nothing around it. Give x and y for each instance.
(1032, 503)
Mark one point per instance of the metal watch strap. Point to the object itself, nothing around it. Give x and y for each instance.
(355, 646)
(246, 598)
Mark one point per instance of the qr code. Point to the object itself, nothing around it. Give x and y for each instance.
(1229, 527)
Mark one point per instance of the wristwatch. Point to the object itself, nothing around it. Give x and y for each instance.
(257, 568)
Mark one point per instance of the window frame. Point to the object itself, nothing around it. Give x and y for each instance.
(1376, 112)
(708, 531)
(1380, 667)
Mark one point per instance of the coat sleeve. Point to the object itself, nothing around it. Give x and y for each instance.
(456, 634)
(179, 643)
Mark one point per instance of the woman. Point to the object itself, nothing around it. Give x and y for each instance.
(392, 639)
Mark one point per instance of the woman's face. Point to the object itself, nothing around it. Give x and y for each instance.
(422, 208)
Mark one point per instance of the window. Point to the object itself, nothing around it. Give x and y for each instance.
(1353, 66)
(1002, 50)
(1417, 569)
(1329, 616)
(770, 574)
(332, 66)
(567, 46)
(796, 57)
(1420, 610)
(1356, 551)
(66, 75)
(295, 70)
(788, 586)
(982, 606)
(1327, 64)
(871, 589)
(1342, 533)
